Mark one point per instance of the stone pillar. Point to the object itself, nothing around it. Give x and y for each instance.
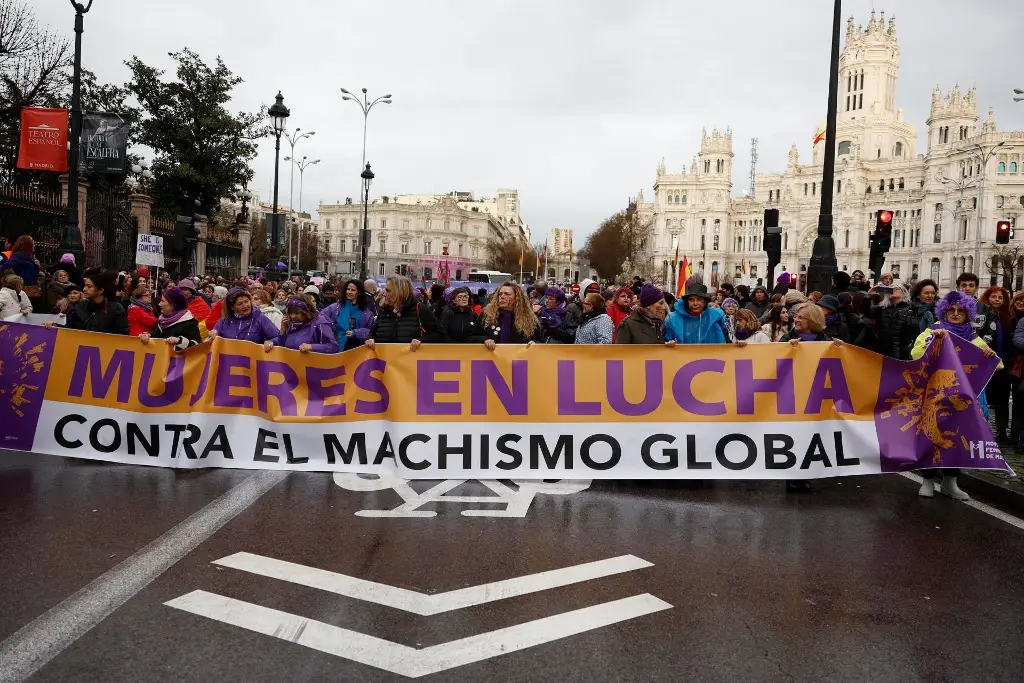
(244, 236)
(142, 206)
(202, 223)
(83, 195)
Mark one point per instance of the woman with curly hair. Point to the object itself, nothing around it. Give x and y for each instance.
(303, 330)
(509, 318)
(999, 387)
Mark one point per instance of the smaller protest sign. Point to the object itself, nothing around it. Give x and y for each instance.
(150, 250)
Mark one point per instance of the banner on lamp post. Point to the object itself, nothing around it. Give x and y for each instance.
(44, 139)
(104, 143)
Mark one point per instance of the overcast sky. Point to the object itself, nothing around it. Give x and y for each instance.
(572, 102)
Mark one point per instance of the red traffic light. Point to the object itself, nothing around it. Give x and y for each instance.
(1003, 232)
(885, 216)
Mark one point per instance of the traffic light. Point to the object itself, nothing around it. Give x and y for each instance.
(881, 240)
(1003, 229)
(772, 237)
(185, 229)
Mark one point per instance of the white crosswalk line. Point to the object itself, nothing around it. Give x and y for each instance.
(420, 603)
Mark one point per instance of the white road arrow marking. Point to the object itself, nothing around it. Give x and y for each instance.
(421, 603)
(409, 661)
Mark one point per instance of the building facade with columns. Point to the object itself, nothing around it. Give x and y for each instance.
(413, 235)
(946, 191)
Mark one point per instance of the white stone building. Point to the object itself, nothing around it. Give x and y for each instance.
(561, 241)
(946, 198)
(413, 234)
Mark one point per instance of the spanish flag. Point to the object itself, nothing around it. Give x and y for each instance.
(685, 273)
(521, 252)
(538, 264)
(819, 137)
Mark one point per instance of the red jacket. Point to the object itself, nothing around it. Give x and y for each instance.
(140, 320)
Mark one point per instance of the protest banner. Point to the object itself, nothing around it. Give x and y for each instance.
(149, 250)
(37, 319)
(769, 411)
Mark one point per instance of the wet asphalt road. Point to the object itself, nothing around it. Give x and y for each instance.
(858, 581)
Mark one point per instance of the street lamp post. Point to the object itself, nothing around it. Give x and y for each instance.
(293, 140)
(365, 106)
(985, 158)
(302, 164)
(71, 235)
(823, 257)
(279, 115)
(364, 234)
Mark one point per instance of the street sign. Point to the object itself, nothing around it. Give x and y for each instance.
(149, 250)
(575, 288)
(415, 662)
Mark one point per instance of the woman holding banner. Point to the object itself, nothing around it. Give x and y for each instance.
(140, 312)
(954, 313)
(509, 318)
(176, 324)
(402, 319)
(352, 317)
(646, 324)
(303, 330)
(99, 310)
(241, 320)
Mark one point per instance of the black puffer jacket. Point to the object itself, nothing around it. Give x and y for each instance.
(416, 321)
(896, 329)
(108, 317)
(186, 328)
(462, 326)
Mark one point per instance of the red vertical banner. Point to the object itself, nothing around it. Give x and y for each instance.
(44, 139)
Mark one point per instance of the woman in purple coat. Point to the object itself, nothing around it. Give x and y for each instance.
(241, 320)
(304, 331)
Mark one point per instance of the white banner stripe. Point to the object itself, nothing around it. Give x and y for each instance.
(420, 603)
(402, 659)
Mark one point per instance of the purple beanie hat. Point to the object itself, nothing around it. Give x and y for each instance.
(956, 298)
(555, 293)
(176, 297)
(784, 279)
(650, 295)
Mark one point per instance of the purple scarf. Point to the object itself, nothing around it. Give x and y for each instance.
(165, 321)
(831, 319)
(742, 334)
(965, 330)
(506, 320)
(553, 316)
(808, 336)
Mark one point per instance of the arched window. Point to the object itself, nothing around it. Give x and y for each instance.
(683, 202)
(938, 234)
(846, 241)
(805, 189)
(785, 240)
(844, 147)
(814, 189)
(898, 152)
(1013, 167)
(934, 268)
(1002, 167)
(902, 183)
(974, 202)
(714, 243)
(892, 184)
(703, 242)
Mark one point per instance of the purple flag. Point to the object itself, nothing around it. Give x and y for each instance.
(927, 413)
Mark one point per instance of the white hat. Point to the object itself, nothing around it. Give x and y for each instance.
(311, 289)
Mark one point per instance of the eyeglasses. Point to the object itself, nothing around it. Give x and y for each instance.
(958, 310)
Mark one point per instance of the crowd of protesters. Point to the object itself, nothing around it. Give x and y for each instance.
(890, 318)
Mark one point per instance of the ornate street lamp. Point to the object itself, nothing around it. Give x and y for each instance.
(364, 234)
(279, 116)
(71, 235)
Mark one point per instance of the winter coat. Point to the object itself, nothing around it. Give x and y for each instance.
(821, 336)
(637, 329)
(200, 310)
(779, 334)
(895, 330)
(54, 293)
(414, 321)
(360, 330)
(23, 266)
(923, 339)
(923, 314)
(13, 303)
(462, 326)
(493, 331)
(759, 337)
(140, 320)
(255, 327)
(186, 328)
(759, 309)
(617, 314)
(984, 324)
(707, 328)
(595, 329)
(274, 315)
(319, 333)
(109, 317)
(837, 329)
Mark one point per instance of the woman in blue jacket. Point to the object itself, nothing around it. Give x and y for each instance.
(352, 317)
(693, 322)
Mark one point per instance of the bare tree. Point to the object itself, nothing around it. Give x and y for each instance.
(1006, 264)
(35, 66)
(505, 255)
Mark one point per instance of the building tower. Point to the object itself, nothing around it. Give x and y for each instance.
(953, 117)
(715, 160)
(869, 69)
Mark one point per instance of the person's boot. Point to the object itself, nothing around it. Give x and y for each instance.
(952, 489)
(927, 489)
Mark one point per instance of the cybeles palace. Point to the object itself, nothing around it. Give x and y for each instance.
(946, 200)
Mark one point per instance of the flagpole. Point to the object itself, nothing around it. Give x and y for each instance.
(546, 259)
(522, 255)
